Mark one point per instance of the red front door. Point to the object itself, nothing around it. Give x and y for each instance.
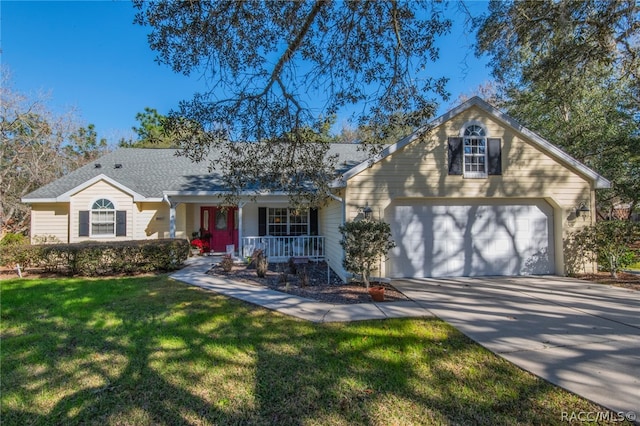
(220, 225)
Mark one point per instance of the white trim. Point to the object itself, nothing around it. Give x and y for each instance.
(115, 218)
(102, 197)
(288, 223)
(476, 174)
(474, 123)
(101, 177)
(598, 180)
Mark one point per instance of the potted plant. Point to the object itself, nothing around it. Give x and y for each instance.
(197, 246)
(377, 293)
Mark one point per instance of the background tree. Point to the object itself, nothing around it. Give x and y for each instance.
(37, 147)
(152, 132)
(278, 68)
(569, 71)
(84, 147)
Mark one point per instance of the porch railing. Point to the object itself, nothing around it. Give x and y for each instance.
(280, 249)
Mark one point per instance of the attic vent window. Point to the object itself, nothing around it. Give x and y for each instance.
(97, 165)
(117, 166)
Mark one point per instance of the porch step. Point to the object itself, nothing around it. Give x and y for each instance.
(300, 260)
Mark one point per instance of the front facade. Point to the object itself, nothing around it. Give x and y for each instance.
(473, 194)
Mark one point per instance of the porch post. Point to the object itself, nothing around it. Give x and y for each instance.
(172, 217)
(240, 206)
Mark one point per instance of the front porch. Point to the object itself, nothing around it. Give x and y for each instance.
(269, 224)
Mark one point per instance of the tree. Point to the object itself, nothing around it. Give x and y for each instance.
(152, 132)
(569, 71)
(365, 243)
(37, 147)
(278, 68)
(84, 146)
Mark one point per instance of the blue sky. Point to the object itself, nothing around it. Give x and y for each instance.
(89, 56)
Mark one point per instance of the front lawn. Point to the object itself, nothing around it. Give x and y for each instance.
(154, 351)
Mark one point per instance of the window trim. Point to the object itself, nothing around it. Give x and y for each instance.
(93, 210)
(288, 224)
(475, 174)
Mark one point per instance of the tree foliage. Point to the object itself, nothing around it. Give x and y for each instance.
(569, 71)
(276, 69)
(152, 133)
(365, 243)
(610, 244)
(37, 147)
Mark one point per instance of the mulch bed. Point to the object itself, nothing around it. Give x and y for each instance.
(624, 279)
(334, 291)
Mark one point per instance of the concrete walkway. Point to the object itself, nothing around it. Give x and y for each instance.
(581, 336)
(299, 307)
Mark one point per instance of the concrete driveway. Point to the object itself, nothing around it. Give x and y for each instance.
(583, 337)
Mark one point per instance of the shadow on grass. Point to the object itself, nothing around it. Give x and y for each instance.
(154, 351)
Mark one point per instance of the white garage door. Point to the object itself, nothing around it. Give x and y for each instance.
(471, 239)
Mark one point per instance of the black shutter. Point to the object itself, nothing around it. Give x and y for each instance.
(262, 221)
(121, 223)
(83, 224)
(494, 152)
(313, 222)
(455, 156)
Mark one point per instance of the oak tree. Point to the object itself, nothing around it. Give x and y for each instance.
(569, 71)
(277, 69)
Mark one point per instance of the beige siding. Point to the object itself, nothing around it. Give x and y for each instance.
(420, 170)
(151, 221)
(329, 220)
(182, 231)
(84, 199)
(50, 220)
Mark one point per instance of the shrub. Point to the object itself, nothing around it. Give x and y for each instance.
(293, 268)
(365, 243)
(226, 263)
(101, 258)
(11, 239)
(303, 277)
(609, 243)
(260, 260)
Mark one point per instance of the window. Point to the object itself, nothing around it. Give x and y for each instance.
(475, 151)
(103, 218)
(284, 221)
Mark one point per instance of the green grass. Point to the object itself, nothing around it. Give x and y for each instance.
(634, 267)
(154, 351)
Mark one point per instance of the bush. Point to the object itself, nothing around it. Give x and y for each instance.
(365, 243)
(609, 243)
(261, 262)
(11, 239)
(227, 263)
(101, 258)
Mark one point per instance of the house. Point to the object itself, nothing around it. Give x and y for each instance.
(474, 193)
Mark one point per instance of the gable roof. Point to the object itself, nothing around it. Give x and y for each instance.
(147, 174)
(546, 146)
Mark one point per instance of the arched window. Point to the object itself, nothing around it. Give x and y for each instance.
(475, 151)
(103, 218)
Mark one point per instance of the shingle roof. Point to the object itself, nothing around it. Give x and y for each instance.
(149, 172)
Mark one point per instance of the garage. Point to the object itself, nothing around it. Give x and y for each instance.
(438, 238)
